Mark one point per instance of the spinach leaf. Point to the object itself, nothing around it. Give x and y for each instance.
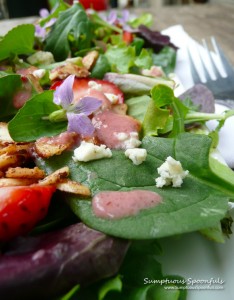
(73, 29)
(29, 125)
(19, 40)
(201, 202)
(9, 84)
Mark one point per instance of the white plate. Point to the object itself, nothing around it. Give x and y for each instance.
(192, 255)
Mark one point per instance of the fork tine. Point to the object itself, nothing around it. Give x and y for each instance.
(227, 65)
(195, 74)
(206, 72)
(213, 63)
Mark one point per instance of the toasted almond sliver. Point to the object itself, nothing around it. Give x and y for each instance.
(46, 150)
(8, 160)
(55, 177)
(16, 182)
(73, 187)
(4, 133)
(19, 172)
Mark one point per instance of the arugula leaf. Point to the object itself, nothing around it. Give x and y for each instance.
(29, 125)
(72, 27)
(9, 84)
(59, 6)
(19, 40)
(200, 203)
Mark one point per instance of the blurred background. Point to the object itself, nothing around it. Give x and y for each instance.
(24, 8)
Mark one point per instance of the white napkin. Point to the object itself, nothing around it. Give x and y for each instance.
(181, 39)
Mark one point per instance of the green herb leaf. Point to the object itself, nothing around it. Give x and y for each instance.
(121, 57)
(72, 24)
(9, 84)
(201, 202)
(101, 67)
(29, 123)
(155, 118)
(145, 19)
(166, 59)
(113, 284)
(19, 40)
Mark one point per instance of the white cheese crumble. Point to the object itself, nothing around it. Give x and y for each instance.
(94, 85)
(129, 140)
(88, 151)
(171, 172)
(137, 155)
(112, 98)
(39, 73)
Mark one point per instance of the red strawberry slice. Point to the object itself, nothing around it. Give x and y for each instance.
(21, 207)
(83, 87)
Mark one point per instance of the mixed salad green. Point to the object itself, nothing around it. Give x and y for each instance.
(137, 62)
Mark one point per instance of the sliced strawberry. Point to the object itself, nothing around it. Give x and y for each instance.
(83, 87)
(128, 37)
(21, 207)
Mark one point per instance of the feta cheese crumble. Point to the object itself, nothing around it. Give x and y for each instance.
(137, 155)
(94, 85)
(88, 151)
(171, 172)
(128, 140)
(112, 98)
(40, 73)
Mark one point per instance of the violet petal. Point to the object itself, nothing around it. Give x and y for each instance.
(50, 22)
(112, 17)
(40, 32)
(43, 13)
(63, 95)
(87, 105)
(80, 124)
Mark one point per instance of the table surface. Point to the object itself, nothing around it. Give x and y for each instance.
(199, 20)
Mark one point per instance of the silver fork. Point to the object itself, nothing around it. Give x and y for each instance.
(222, 86)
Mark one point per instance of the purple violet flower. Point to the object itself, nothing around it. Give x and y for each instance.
(40, 31)
(77, 113)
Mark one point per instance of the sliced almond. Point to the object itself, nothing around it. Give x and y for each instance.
(73, 187)
(55, 177)
(19, 172)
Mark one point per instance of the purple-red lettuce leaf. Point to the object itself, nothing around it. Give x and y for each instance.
(47, 266)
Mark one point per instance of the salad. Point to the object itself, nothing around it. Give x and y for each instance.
(99, 159)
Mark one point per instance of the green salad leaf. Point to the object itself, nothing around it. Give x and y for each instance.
(73, 29)
(138, 279)
(201, 202)
(19, 40)
(9, 84)
(30, 122)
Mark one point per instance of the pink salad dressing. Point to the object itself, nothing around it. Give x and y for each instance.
(116, 205)
(109, 124)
